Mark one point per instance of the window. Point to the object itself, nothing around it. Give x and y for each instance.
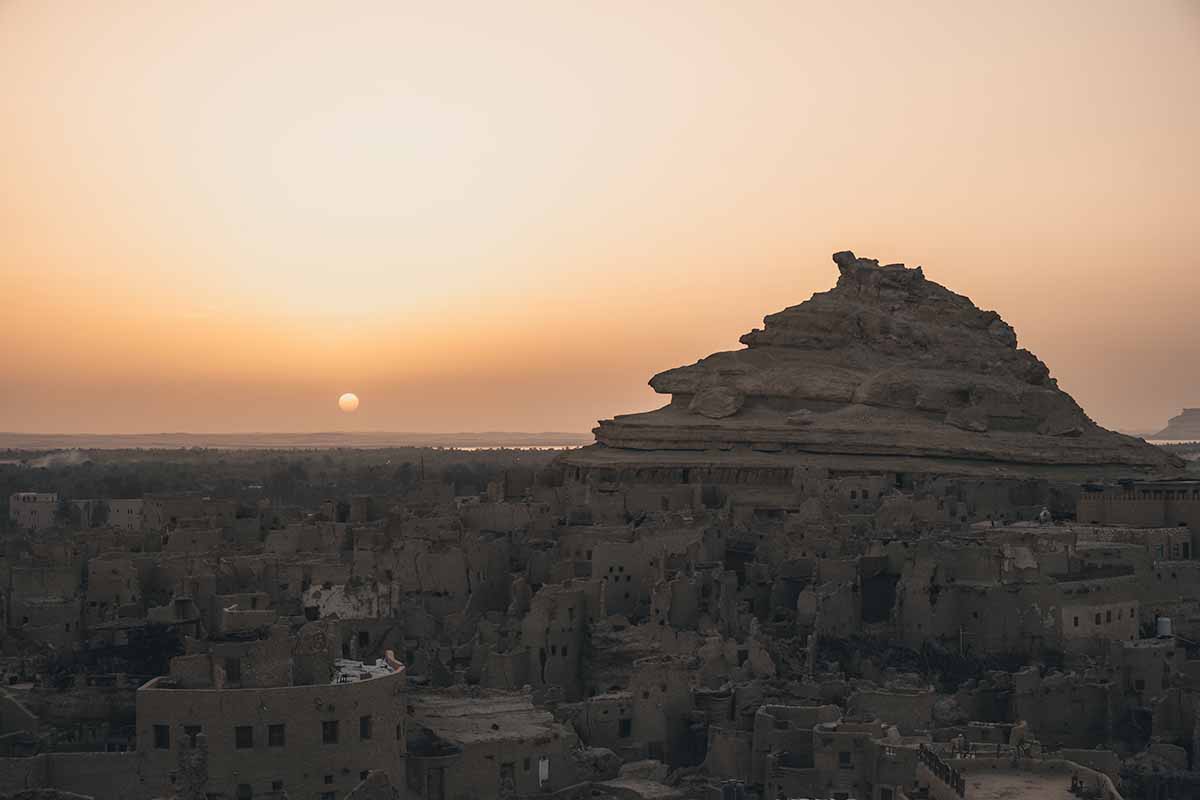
(362, 776)
(162, 737)
(1139, 685)
(1097, 618)
(527, 764)
(191, 732)
(328, 795)
(276, 786)
(244, 792)
(233, 670)
(844, 759)
(1108, 616)
(243, 737)
(328, 779)
(276, 736)
(625, 728)
(564, 651)
(364, 727)
(329, 731)
(364, 638)
(1077, 622)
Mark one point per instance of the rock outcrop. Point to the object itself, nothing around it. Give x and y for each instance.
(887, 369)
(1183, 428)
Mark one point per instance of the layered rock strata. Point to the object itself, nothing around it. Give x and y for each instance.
(888, 370)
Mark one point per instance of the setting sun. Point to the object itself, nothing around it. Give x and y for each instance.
(348, 402)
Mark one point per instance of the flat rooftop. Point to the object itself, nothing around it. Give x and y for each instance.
(1018, 785)
(348, 671)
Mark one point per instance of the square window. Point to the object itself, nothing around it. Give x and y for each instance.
(329, 731)
(362, 776)
(276, 786)
(162, 737)
(364, 727)
(328, 779)
(276, 735)
(243, 737)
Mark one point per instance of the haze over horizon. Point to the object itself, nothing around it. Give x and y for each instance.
(508, 218)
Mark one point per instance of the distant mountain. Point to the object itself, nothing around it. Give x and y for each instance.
(299, 441)
(1185, 427)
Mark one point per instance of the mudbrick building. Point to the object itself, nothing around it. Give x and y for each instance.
(875, 554)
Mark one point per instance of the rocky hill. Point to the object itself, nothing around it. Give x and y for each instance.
(1185, 427)
(887, 369)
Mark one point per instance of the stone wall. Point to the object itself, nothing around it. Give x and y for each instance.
(303, 758)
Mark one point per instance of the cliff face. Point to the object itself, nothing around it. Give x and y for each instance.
(1185, 427)
(887, 364)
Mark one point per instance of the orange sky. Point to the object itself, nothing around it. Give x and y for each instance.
(509, 215)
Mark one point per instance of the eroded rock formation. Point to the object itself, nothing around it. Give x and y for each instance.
(1184, 428)
(888, 368)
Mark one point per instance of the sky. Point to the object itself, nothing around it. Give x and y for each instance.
(508, 216)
